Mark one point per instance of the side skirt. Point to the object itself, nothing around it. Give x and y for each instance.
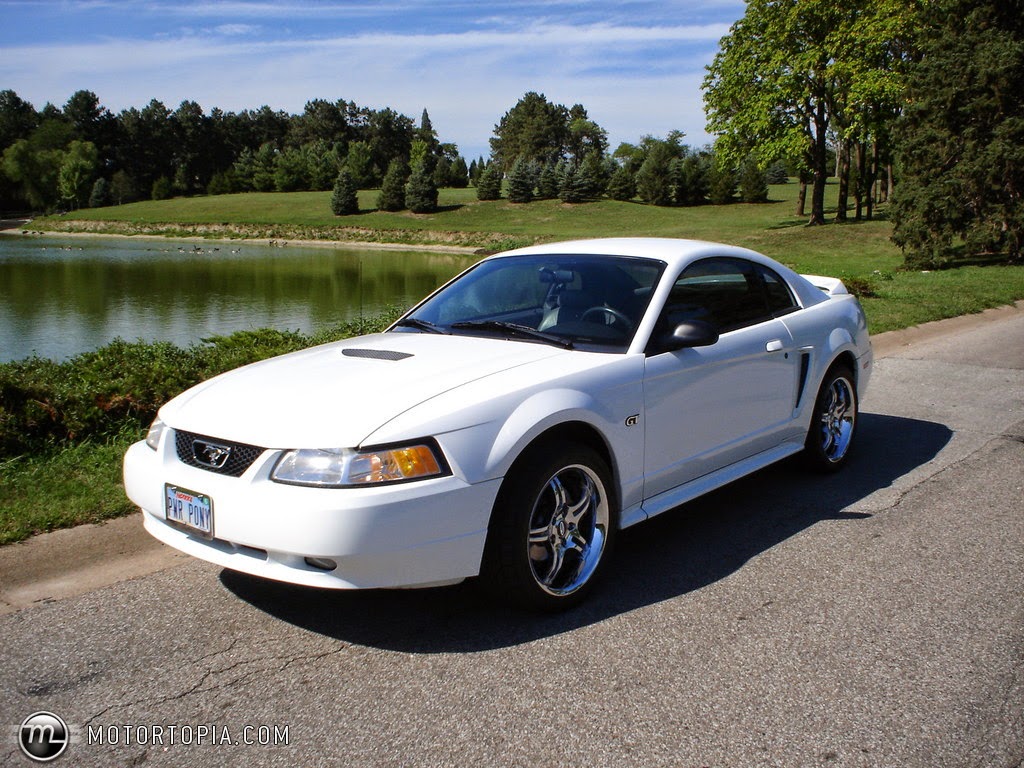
(670, 499)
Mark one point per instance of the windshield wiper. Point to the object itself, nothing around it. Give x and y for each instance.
(422, 325)
(514, 329)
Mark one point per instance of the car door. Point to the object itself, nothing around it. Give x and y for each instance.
(708, 407)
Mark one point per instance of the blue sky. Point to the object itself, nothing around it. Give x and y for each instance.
(636, 65)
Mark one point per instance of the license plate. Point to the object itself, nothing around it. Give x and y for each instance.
(189, 510)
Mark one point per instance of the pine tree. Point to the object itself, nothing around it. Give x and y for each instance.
(721, 185)
(571, 189)
(488, 186)
(458, 174)
(547, 183)
(752, 182)
(392, 191)
(100, 195)
(691, 179)
(654, 180)
(593, 175)
(420, 190)
(777, 173)
(622, 185)
(344, 200)
(520, 182)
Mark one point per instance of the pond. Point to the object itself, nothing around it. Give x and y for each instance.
(60, 296)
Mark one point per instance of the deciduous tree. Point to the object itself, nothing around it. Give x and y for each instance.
(960, 156)
(77, 172)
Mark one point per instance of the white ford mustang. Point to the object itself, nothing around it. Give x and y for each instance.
(512, 423)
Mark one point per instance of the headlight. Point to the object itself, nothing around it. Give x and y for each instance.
(156, 429)
(335, 468)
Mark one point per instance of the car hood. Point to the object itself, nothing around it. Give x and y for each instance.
(335, 395)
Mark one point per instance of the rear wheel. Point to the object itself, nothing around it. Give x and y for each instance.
(552, 529)
(834, 422)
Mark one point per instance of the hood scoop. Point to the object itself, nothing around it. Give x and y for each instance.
(375, 354)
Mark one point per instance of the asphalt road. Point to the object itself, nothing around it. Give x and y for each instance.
(875, 618)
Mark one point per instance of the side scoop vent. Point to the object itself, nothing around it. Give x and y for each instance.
(376, 354)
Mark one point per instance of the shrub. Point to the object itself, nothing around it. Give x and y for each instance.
(119, 388)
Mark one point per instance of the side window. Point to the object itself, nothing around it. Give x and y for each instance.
(724, 292)
(780, 298)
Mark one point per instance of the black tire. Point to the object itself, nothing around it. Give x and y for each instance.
(834, 421)
(552, 528)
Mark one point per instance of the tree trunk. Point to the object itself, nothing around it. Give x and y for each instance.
(872, 176)
(843, 172)
(819, 167)
(858, 188)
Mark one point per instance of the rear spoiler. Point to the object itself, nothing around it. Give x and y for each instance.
(833, 286)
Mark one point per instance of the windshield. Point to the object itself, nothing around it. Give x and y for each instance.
(589, 302)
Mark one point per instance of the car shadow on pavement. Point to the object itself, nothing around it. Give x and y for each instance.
(668, 557)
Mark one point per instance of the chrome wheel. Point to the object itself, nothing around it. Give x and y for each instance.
(834, 422)
(553, 527)
(837, 419)
(568, 529)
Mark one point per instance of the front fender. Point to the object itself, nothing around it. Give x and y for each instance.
(539, 413)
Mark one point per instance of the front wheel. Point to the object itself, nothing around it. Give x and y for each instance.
(552, 529)
(834, 421)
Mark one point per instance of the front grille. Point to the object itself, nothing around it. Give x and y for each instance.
(190, 451)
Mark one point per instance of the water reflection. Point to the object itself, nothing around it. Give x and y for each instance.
(62, 296)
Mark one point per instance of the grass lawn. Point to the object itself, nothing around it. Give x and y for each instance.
(82, 483)
(79, 484)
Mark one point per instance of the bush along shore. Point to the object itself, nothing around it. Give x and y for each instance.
(65, 425)
(468, 242)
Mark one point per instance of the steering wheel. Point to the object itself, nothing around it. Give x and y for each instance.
(614, 314)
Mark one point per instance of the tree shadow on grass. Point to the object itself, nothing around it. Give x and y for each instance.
(673, 555)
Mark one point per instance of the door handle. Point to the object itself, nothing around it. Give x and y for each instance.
(775, 345)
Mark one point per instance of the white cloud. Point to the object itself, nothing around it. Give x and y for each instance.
(633, 79)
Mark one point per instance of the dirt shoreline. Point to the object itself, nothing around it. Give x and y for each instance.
(23, 228)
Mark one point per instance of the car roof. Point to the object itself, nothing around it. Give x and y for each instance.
(672, 251)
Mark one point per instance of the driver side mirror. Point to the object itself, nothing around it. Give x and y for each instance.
(692, 333)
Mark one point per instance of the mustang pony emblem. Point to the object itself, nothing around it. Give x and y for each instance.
(210, 454)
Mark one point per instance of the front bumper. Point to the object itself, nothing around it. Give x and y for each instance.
(411, 534)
